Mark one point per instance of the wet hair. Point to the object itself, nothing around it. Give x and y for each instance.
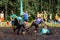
(45, 25)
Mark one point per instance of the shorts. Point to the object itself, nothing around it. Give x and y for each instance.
(12, 22)
(26, 20)
(21, 25)
(2, 19)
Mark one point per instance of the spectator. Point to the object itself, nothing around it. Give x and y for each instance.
(2, 16)
(26, 18)
(44, 16)
(56, 18)
(12, 19)
(45, 30)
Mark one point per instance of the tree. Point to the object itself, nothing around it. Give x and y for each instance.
(32, 6)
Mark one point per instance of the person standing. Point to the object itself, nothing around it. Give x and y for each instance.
(25, 17)
(44, 16)
(38, 15)
(50, 18)
(2, 16)
(12, 19)
(56, 17)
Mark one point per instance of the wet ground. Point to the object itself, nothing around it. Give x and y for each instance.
(7, 34)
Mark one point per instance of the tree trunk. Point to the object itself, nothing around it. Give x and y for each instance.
(58, 7)
(6, 9)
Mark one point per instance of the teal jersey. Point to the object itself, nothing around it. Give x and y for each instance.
(20, 19)
(43, 31)
(13, 15)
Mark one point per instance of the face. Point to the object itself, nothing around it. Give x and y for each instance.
(56, 14)
(12, 12)
(42, 12)
(2, 12)
(45, 12)
(45, 26)
(26, 11)
(15, 17)
(25, 22)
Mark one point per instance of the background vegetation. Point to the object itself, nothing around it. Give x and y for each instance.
(32, 6)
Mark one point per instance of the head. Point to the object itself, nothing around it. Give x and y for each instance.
(44, 12)
(38, 17)
(59, 17)
(26, 11)
(56, 14)
(15, 17)
(40, 12)
(45, 26)
(1, 11)
(12, 12)
(7, 21)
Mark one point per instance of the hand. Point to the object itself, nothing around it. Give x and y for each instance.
(12, 19)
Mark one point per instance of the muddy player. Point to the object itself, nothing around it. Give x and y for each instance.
(36, 23)
(45, 30)
(19, 23)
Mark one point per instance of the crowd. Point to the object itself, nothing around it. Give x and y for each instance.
(20, 22)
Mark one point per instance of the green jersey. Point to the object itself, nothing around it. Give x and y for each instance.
(12, 16)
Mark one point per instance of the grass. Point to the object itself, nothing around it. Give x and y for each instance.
(51, 24)
(2, 24)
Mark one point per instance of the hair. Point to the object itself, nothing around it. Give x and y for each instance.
(45, 24)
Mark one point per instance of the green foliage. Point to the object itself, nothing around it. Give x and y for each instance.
(8, 17)
(32, 6)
